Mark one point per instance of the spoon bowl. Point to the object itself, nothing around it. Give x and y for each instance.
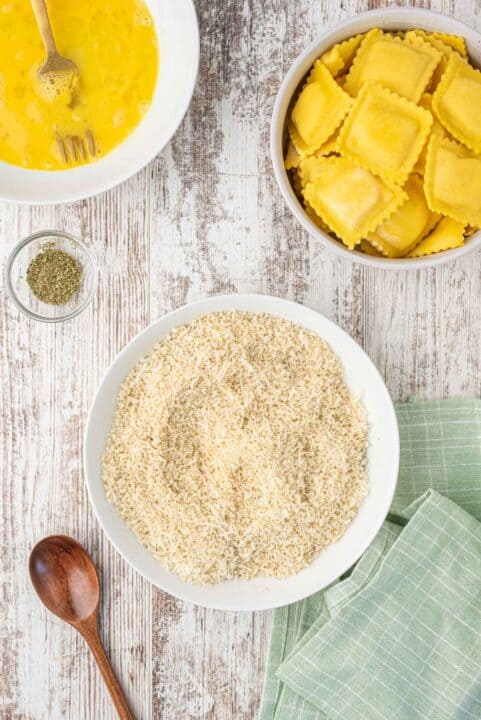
(65, 578)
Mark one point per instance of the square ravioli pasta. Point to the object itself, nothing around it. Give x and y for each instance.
(447, 235)
(340, 56)
(310, 169)
(350, 199)
(403, 66)
(445, 50)
(457, 102)
(452, 181)
(385, 133)
(318, 111)
(436, 129)
(403, 230)
(457, 42)
(392, 165)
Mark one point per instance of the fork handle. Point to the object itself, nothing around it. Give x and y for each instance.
(43, 22)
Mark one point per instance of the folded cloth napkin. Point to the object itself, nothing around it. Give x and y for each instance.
(400, 637)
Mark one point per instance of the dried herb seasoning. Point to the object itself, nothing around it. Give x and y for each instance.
(54, 276)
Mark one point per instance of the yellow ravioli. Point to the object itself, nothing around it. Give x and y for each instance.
(436, 129)
(317, 72)
(406, 226)
(310, 169)
(368, 249)
(403, 66)
(457, 42)
(332, 60)
(312, 215)
(452, 181)
(292, 157)
(454, 42)
(340, 56)
(375, 152)
(445, 50)
(330, 146)
(350, 199)
(385, 133)
(434, 220)
(320, 108)
(457, 102)
(448, 234)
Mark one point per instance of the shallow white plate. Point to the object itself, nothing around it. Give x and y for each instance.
(178, 36)
(383, 460)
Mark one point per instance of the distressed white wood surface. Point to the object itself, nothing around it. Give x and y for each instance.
(204, 218)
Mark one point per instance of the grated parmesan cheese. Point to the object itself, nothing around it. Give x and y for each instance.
(237, 449)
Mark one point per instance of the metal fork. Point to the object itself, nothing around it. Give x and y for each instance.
(77, 149)
(61, 72)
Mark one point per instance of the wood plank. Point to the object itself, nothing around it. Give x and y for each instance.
(49, 376)
(220, 225)
(215, 215)
(206, 217)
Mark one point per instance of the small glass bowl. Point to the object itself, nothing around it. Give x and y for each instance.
(16, 276)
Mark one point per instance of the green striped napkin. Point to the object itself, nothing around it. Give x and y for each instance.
(400, 637)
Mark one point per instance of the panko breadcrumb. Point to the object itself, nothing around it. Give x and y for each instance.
(237, 450)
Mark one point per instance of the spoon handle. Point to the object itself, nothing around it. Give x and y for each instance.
(43, 22)
(89, 630)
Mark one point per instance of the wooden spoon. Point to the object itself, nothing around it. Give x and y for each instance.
(67, 582)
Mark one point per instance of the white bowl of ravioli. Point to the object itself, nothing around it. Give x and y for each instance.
(367, 176)
(177, 36)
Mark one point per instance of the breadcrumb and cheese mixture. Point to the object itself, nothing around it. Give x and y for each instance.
(237, 450)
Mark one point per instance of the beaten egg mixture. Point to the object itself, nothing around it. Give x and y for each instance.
(114, 46)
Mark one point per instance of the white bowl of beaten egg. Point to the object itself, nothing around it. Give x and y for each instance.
(137, 62)
(392, 20)
(251, 591)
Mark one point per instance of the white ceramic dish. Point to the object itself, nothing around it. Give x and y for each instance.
(178, 36)
(389, 19)
(383, 461)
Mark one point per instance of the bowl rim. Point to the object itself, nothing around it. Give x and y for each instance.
(244, 599)
(278, 120)
(100, 186)
(17, 249)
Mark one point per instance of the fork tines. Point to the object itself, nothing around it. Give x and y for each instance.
(77, 149)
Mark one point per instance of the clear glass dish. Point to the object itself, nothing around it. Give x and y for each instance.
(16, 276)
